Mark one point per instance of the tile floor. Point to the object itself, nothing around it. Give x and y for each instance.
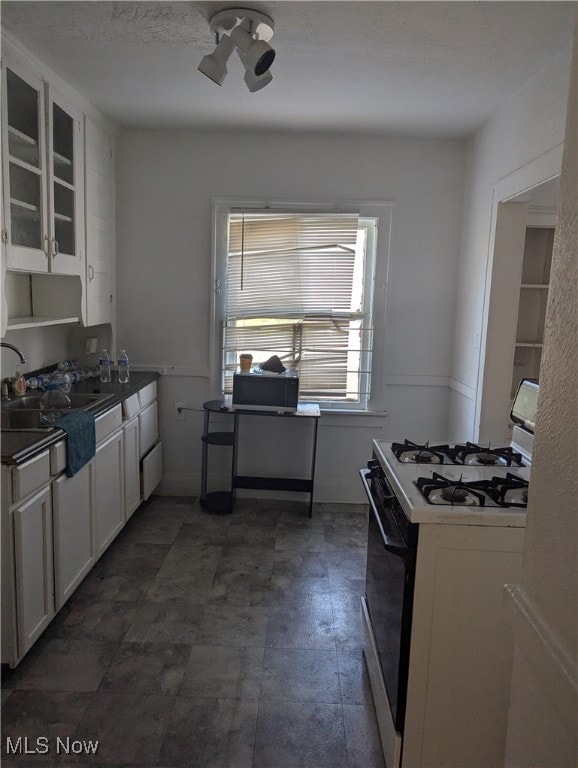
(209, 641)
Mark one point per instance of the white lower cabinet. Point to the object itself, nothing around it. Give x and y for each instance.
(54, 527)
(132, 495)
(73, 539)
(33, 576)
(108, 492)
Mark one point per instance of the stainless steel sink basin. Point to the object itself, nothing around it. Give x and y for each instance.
(25, 412)
(32, 402)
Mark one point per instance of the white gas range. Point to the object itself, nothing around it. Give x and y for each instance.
(461, 484)
(445, 533)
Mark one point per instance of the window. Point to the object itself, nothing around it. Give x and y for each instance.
(298, 283)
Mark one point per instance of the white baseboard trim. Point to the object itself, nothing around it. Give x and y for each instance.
(553, 667)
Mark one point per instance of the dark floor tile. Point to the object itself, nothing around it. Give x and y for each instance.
(295, 564)
(240, 588)
(5, 694)
(64, 665)
(362, 737)
(169, 622)
(199, 532)
(40, 714)
(131, 586)
(246, 560)
(184, 555)
(210, 733)
(346, 593)
(348, 515)
(353, 677)
(300, 675)
(243, 535)
(309, 593)
(346, 563)
(256, 513)
(292, 735)
(232, 625)
(337, 536)
(302, 538)
(155, 668)
(174, 584)
(298, 627)
(348, 628)
(129, 728)
(154, 529)
(128, 556)
(95, 620)
(297, 513)
(222, 672)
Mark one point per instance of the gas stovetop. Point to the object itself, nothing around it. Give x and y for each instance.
(466, 454)
(459, 483)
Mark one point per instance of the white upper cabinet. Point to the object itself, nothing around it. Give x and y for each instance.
(24, 167)
(65, 184)
(99, 206)
(42, 143)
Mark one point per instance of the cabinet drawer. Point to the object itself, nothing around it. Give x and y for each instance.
(152, 470)
(148, 428)
(131, 406)
(147, 394)
(58, 458)
(30, 476)
(107, 423)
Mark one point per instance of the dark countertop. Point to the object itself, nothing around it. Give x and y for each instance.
(20, 445)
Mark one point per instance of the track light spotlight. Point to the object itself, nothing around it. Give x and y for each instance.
(252, 81)
(258, 54)
(249, 31)
(214, 66)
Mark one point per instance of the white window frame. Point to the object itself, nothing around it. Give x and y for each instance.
(381, 211)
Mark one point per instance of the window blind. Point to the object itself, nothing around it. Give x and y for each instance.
(295, 289)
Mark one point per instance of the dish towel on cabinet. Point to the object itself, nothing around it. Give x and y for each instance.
(81, 439)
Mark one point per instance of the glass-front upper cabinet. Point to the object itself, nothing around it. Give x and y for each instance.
(65, 183)
(43, 184)
(24, 167)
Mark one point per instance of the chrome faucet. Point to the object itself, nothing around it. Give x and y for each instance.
(14, 349)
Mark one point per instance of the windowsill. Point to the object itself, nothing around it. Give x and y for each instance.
(367, 419)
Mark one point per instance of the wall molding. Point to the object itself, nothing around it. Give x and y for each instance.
(556, 670)
(415, 380)
(463, 389)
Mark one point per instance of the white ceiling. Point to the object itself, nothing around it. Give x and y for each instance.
(423, 68)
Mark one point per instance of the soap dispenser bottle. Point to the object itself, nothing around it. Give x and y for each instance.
(19, 383)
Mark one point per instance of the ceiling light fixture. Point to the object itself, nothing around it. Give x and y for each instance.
(249, 31)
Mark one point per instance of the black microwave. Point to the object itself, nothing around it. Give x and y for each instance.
(266, 391)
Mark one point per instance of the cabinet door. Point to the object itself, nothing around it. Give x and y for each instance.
(24, 170)
(149, 427)
(73, 541)
(131, 466)
(99, 207)
(65, 184)
(108, 492)
(33, 568)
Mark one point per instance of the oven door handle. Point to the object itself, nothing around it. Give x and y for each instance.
(391, 544)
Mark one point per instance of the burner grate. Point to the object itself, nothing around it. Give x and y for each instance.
(409, 452)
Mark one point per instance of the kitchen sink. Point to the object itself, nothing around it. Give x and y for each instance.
(32, 402)
(25, 412)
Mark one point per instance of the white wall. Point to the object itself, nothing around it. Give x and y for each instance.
(525, 129)
(165, 184)
(542, 728)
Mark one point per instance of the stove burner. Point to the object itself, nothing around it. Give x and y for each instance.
(453, 493)
(486, 458)
(439, 490)
(470, 453)
(413, 453)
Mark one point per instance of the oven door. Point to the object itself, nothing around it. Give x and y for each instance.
(388, 602)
